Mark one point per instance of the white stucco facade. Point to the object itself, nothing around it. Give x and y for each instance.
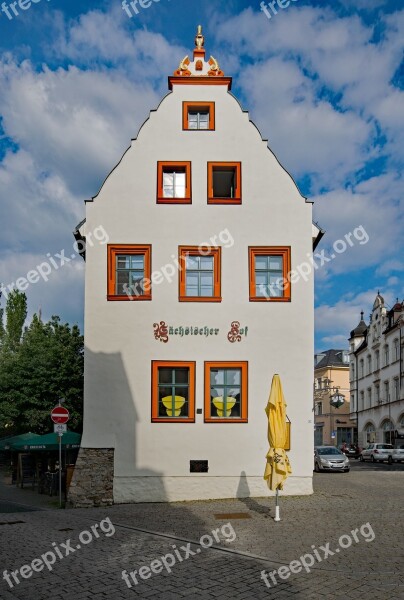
(152, 460)
(376, 375)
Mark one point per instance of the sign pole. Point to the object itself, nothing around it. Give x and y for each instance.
(60, 417)
(60, 470)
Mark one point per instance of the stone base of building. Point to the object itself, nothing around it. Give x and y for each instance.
(178, 489)
(93, 478)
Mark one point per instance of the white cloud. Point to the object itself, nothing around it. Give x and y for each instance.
(324, 82)
(378, 206)
(76, 124)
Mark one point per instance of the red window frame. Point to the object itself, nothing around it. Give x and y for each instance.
(131, 249)
(224, 165)
(243, 365)
(216, 252)
(285, 252)
(156, 364)
(171, 164)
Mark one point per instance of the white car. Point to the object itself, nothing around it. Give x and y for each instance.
(377, 453)
(397, 455)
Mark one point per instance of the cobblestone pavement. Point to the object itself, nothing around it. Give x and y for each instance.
(146, 532)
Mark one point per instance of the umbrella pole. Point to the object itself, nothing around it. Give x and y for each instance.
(277, 517)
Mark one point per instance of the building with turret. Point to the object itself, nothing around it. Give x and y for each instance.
(376, 374)
(194, 305)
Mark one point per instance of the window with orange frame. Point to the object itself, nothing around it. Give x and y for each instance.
(173, 391)
(200, 274)
(270, 269)
(226, 392)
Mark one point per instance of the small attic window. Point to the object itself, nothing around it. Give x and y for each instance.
(174, 182)
(198, 116)
(224, 183)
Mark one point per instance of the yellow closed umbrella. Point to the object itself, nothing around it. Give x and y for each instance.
(278, 466)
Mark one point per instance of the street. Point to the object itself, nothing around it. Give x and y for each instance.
(94, 548)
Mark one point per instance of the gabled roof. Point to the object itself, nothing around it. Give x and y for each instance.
(332, 358)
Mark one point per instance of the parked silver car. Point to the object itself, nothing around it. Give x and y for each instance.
(330, 458)
(377, 452)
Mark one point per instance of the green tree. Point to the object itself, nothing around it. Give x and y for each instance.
(47, 366)
(16, 313)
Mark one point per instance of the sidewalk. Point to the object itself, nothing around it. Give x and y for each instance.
(366, 568)
(25, 497)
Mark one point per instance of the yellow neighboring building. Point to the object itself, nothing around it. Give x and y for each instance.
(332, 425)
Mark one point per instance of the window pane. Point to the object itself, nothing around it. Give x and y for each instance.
(137, 261)
(192, 262)
(275, 263)
(207, 292)
(206, 263)
(168, 179)
(180, 191)
(137, 284)
(192, 284)
(217, 392)
(168, 192)
(179, 185)
(223, 183)
(123, 262)
(122, 282)
(261, 262)
(275, 285)
(233, 376)
(206, 279)
(164, 392)
(261, 280)
(165, 375)
(217, 376)
(181, 375)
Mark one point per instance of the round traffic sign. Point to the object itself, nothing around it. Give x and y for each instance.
(60, 414)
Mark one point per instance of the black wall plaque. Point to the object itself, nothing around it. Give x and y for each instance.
(198, 466)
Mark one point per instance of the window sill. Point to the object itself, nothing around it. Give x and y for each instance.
(189, 420)
(200, 299)
(259, 299)
(219, 420)
(163, 200)
(224, 200)
(126, 298)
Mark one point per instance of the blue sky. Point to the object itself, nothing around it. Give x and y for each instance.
(323, 81)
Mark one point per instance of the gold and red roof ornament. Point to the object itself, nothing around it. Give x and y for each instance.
(199, 67)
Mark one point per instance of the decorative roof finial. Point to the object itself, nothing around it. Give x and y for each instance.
(199, 40)
(362, 313)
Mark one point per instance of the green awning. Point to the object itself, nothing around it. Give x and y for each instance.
(49, 441)
(5, 443)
